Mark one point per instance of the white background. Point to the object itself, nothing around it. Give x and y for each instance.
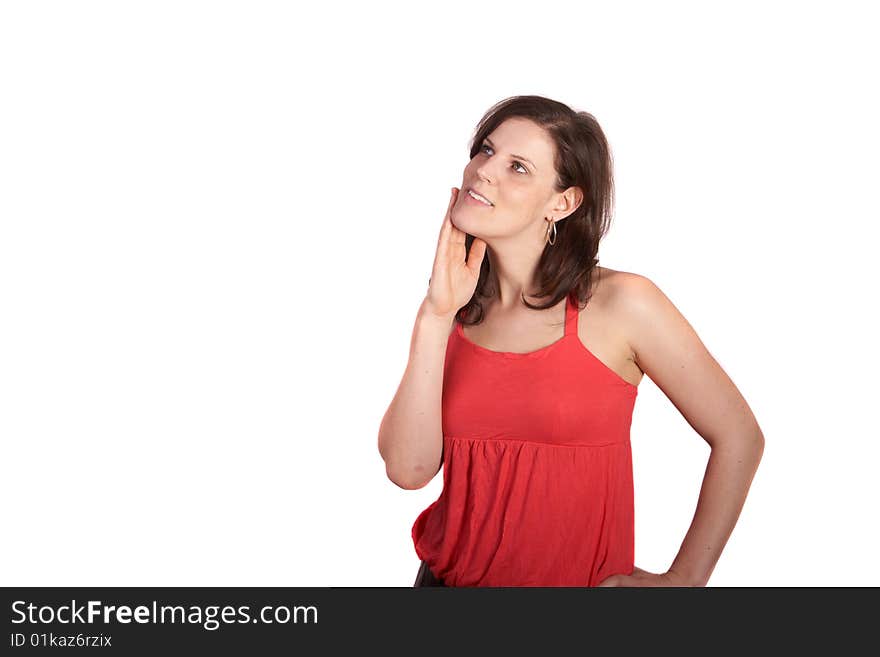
(219, 220)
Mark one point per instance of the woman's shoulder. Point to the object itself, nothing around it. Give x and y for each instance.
(625, 287)
(629, 300)
(613, 286)
(616, 294)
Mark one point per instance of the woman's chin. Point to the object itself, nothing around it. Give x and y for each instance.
(466, 224)
(463, 227)
(461, 221)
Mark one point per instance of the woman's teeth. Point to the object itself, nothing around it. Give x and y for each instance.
(479, 198)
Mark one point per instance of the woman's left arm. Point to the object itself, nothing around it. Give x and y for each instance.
(668, 350)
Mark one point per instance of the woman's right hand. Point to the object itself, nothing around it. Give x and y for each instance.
(453, 280)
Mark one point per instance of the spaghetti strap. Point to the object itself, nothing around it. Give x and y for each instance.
(571, 316)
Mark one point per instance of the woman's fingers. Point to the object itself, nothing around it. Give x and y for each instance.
(447, 229)
(447, 221)
(475, 256)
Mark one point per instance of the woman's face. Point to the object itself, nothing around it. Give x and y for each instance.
(514, 170)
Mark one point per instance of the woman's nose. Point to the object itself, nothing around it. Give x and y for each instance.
(484, 172)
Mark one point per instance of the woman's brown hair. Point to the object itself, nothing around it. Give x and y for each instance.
(582, 159)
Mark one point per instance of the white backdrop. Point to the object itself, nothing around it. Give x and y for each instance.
(219, 220)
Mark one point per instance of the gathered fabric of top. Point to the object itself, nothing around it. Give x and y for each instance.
(537, 467)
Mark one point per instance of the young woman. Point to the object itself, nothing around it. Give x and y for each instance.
(524, 368)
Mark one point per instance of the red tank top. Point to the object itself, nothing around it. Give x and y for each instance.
(537, 467)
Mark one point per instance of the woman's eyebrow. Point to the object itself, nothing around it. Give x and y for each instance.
(519, 157)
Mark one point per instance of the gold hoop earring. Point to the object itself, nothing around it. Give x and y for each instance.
(552, 227)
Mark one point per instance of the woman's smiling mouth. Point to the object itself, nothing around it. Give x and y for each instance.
(473, 197)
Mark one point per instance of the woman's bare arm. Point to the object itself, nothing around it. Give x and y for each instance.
(669, 351)
(411, 432)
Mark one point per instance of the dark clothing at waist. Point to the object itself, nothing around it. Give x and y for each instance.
(426, 578)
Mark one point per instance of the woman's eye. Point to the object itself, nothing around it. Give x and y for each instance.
(521, 166)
